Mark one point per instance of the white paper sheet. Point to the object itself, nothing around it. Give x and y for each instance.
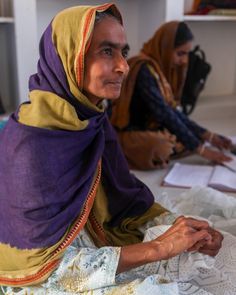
(185, 175)
(223, 178)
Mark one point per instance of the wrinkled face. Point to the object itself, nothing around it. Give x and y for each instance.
(105, 61)
(180, 54)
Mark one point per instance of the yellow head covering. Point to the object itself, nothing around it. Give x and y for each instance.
(71, 31)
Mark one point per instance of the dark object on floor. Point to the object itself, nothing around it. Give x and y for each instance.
(233, 150)
(2, 110)
(198, 70)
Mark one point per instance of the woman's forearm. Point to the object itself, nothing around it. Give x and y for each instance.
(206, 136)
(139, 254)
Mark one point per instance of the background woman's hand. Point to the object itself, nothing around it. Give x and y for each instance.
(165, 146)
(217, 140)
(213, 155)
(183, 235)
(221, 142)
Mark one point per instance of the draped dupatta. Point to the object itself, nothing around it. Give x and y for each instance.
(56, 151)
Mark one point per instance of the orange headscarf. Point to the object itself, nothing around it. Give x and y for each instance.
(160, 48)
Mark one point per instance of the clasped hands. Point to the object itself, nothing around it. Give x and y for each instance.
(189, 234)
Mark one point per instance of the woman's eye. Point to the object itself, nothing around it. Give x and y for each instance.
(181, 53)
(107, 51)
(125, 53)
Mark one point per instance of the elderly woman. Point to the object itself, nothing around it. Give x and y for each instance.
(145, 116)
(72, 217)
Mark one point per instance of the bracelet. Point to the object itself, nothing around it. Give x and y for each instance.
(202, 150)
(211, 137)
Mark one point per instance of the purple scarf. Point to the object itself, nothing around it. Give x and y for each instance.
(46, 175)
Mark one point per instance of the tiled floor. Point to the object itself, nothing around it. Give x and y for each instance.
(218, 114)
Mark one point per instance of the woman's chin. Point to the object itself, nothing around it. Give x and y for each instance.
(113, 94)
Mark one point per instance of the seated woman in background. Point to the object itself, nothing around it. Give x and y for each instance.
(146, 111)
(72, 217)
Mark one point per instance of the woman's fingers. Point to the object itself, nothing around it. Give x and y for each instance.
(197, 246)
(194, 223)
(215, 156)
(221, 142)
(189, 234)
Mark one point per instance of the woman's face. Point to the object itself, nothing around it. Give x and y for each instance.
(105, 61)
(181, 53)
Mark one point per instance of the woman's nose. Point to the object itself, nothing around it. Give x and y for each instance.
(122, 65)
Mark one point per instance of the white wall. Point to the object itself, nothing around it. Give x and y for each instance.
(26, 43)
(7, 66)
(149, 19)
